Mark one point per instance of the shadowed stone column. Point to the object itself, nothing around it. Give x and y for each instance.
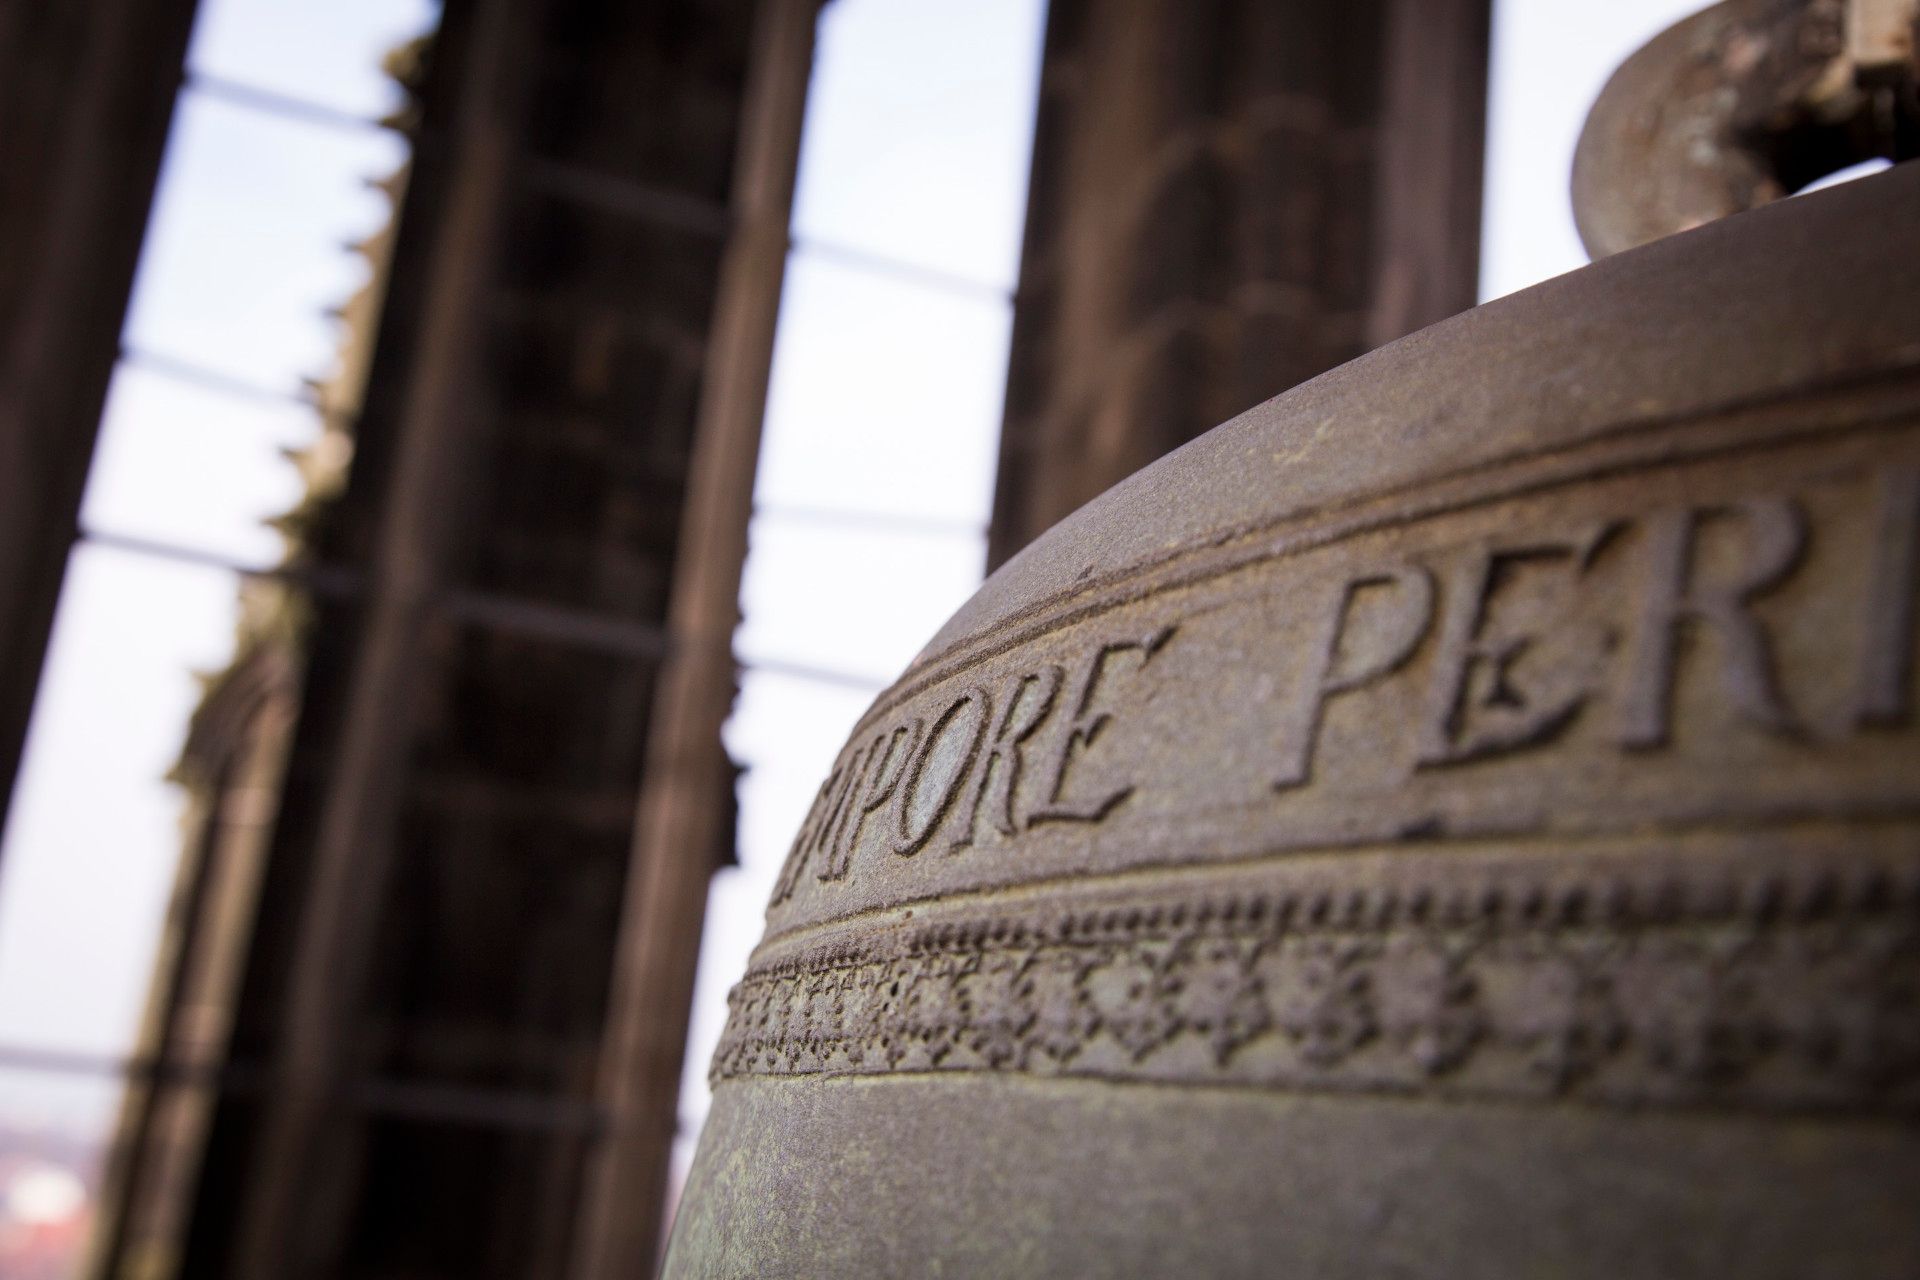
(1228, 198)
(86, 95)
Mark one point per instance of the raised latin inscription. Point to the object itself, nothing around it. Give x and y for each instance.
(939, 770)
(1025, 706)
(1551, 654)
(1676, 593)
(1089, 721)
(1402, 608)
(972, 755)
(1477, 706)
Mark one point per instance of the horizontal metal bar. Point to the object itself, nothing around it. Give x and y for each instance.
(594, 632)
(66, 1062)
(288, 106)
(628, 197)
(602, 633)
(906, 272)
(178, 370)
(884, 521)
(484, 610)
(817, 675)
(481, 1108)
(323, 580)
(386, 1096)
(683, 211)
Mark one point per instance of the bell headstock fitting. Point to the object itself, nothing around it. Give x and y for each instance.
(1744, 103)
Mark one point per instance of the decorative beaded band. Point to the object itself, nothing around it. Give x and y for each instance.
(1792, 987)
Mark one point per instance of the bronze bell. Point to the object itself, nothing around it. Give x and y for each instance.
(1461, 817)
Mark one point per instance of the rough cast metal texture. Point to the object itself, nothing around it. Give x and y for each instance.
(1741, 104)
(1455, 819)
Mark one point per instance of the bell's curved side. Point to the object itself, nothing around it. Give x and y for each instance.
(1461, 817)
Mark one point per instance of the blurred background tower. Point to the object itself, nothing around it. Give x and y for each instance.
(421, 1005)
(1228, 198)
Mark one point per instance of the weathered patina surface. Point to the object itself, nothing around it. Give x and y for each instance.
(1458, 818)
(1745, 102)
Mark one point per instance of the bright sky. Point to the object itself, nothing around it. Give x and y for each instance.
(915, 154)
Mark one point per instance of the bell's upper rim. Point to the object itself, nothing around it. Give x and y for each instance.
(1803, 293)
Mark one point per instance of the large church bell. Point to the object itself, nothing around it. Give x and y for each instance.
(1460, 817)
